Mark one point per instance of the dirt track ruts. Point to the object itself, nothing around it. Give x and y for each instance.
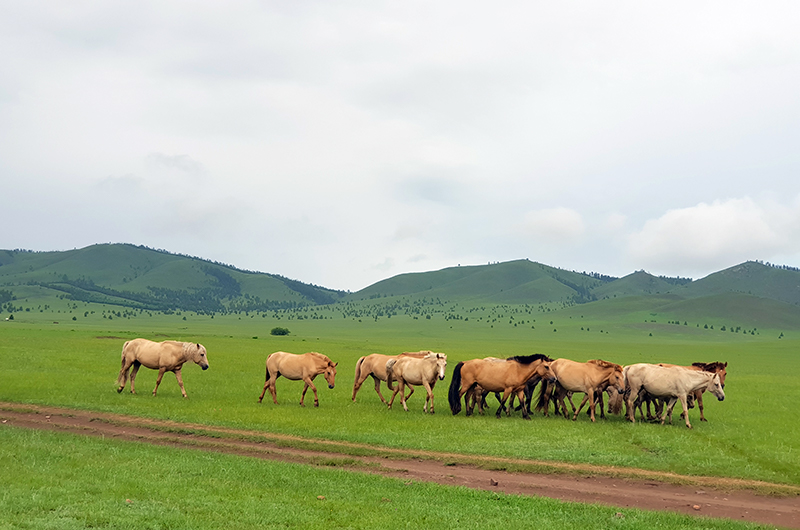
(620, 487)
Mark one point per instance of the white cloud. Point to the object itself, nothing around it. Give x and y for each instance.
(553, 226)
(716, 235)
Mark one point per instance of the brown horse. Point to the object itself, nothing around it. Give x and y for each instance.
(407, 370)
(674, 383)
(167, 356)
(508, 377)
(303, 367)
(590, 378)
(715, 368)
(375, 365)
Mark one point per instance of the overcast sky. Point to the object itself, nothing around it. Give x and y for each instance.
(341, 143)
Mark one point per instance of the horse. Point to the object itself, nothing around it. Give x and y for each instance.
(477, 394)
(675, 383)
(167, 356)
(715, 367)
(508, 377)
(375, 365)
(295, 367)
(590, 378)
(407, 370)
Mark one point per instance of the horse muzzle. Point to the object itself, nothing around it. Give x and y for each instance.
(330, 386)
(721, 398)
(204, 367)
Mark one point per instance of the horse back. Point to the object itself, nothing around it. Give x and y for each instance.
(155, 355)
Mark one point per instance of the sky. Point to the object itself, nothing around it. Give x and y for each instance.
(342, 143)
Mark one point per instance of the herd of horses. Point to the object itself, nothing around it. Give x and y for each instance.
(637, 385)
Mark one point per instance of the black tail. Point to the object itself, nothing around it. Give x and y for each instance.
(454, 395)
(544, 396)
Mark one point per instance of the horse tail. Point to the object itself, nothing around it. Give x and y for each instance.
(358, 369)
(122, 372)
(544, 396)
(390, 372)
(454, 395)
(266, 378)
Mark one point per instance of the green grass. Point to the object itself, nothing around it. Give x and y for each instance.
(751, 435)
(53, 480)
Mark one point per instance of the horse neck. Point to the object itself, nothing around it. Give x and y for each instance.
(529, 369)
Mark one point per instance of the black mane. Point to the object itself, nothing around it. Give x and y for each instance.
(528, 359)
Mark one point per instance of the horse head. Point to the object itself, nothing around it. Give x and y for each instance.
(545, 372)
(441, 364)
(330, 374)
(617, 380)
(715, 387)
(198, 352)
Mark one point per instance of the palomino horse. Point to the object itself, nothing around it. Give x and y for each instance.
(508, 377)
(303, 367)
(675, 383)
(590, 378)
(715, 367)
(375, 365)
(407, 370)
(167, 356)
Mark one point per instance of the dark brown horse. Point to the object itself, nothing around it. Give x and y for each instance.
(508, 377)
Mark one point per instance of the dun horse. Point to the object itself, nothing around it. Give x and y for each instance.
(375, 365)
(508, 377)
(590, 378)
(674, 383)
(167, 356)
(415, 371)
(303, 367)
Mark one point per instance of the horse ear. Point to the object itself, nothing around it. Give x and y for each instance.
(198, 345)
(335, 364)
(726, 364)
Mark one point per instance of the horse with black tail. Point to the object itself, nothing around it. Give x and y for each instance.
(508, 377)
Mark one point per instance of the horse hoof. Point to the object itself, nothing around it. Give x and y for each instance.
(119, 390)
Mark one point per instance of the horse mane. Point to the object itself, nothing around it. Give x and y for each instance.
(606, 364)
(528, 359)
(320, 356)
(710, 367)
(416, 354)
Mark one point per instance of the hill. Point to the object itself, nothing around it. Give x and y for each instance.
(144, 278)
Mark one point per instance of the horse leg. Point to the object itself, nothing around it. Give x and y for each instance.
(506, 393)
(429, 397)
(309, 382)
(161, 372)
(686, 411)
(698, 397)
(377, 389)
(401, 387)
(273, 391)
(123, 375)
(394, 394)
(521, 396)
(580, 407)
(180, 382)
(670, 406)
(134, 371)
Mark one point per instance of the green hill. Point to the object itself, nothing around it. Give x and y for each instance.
(751, 294)
(144, 278)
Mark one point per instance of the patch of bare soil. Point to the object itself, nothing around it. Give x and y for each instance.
(620, 487)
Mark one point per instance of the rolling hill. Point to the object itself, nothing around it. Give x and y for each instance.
(144, 278)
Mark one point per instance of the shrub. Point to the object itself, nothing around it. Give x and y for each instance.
(279, 331)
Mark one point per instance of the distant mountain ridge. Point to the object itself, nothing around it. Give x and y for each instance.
(146, 278)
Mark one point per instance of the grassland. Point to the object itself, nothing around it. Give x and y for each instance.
(53, 480)
(751, 435)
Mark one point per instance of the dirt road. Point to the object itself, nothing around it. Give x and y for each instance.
(620, 487)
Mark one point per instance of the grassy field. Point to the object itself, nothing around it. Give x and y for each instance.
(53, 480)
(752, 434)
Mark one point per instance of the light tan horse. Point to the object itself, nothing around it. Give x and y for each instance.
(167, 356)
(674, 383)
(295, 367)
(508, 377)
(375, 365)
(414, 371)
(715, 367)
(590, 378)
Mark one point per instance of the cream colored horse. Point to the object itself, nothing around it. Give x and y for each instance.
(673, 383)
(167, 356)
(413, 371)
(375, 365)
(295, 367)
